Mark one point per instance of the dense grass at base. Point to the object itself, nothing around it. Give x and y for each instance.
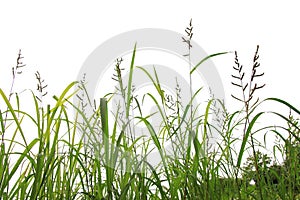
(81, 156)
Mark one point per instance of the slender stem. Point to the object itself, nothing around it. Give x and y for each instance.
(14, 73)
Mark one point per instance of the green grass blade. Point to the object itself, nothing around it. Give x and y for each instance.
(206, 58)
(13, 113)
(129, 86)
(285, 103)
(245, 138)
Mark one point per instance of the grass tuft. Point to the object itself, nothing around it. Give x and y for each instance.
(87, 157)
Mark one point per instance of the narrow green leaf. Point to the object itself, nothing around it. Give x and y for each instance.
(285, 103)
(206, 58)
(245, 138)
(129, 86)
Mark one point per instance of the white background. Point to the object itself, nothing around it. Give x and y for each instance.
(57, 36)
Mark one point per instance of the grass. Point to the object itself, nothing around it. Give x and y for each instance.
(85, 157)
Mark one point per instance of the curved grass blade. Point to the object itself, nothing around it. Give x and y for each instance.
(206, 58)
(285, 103)
(245, 138)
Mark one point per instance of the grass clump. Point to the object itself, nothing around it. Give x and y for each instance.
(88, 157)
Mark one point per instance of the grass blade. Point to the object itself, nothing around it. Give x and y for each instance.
(130, 82)
(206, 58)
